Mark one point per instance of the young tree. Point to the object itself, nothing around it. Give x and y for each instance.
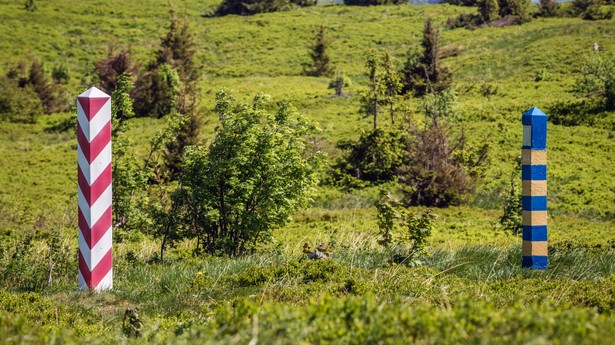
(371, 100)
(320, 59)
(169, 83)
(440, 171)
(178, 49)
(423, 73)
(251, 179)
(391, 81)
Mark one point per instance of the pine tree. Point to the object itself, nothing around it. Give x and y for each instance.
(423, 73)
(178, 49)
(320, 59)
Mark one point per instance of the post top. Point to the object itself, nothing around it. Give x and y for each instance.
(93, 92)
(534, 112)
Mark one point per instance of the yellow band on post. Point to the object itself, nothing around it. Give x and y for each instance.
(535, 248)
(534, 217)
(534, 157)
(534, 187)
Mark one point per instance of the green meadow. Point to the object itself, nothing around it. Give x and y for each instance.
(468, 288)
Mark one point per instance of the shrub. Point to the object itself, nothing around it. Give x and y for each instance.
(597, 80)
(339, 83)
(374, 157)
(250, 7)
(250, 179)
(155, 93)
(109, 69)
(18, 104)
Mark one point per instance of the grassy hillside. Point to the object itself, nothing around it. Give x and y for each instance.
(470, 288)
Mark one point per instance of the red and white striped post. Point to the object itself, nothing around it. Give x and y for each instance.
(94, 193)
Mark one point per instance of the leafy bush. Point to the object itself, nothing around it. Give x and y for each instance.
(18, 104)
(374, 157)
(250, 179)
(597, 79)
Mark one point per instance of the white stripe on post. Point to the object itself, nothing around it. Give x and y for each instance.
(94, 191)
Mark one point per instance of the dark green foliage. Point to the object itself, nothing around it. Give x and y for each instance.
(320, 59)
(109, 69)
(434, 174)
(250, 179)
(511, 219)
(128, 178)
(30, 6)
(250, 7)
(373, 2)
(187, 135)
(588, 9)
(597, 80)
(469, 21)
(516, 8)
(461, 2)
(549, 8)
(178, 49)
(339, 83)
(169, 83)
(60, 74)
(155, 93)
(18, 104)
(51, 94)
(423, 73)
(489, 10)
(374, 157)
(384, 87)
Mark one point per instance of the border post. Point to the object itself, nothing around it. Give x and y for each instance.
(94, 191)
(534, 189)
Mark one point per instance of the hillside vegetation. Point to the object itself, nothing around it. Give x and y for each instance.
(467, 287)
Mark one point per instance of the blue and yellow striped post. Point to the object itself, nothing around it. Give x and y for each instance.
(534, 190)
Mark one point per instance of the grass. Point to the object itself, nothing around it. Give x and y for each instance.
(469, 288)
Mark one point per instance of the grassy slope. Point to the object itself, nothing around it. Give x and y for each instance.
(265, 53)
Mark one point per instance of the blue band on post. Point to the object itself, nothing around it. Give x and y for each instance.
(534, 203)
(533, 172)
(535, 262)
(535, 233)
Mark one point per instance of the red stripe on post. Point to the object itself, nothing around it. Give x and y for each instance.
(94, 191)
(92, 149)
(95, 233)
(91, 106)
(93, 278)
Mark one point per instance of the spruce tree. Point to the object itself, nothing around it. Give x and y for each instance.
(423, 73)
(320, 59)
